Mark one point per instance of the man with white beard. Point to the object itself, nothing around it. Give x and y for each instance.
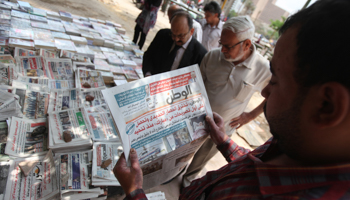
(231, 75)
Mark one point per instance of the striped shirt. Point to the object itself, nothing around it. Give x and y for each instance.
(247, 177)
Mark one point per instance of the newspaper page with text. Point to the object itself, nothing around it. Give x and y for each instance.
(102, 152)
(163, 118)
(23, 140)
(41, 183)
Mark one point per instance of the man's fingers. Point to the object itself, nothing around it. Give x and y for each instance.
(133, 159)
(217, 118)
(235, 119)
(233, 125)
(212, 124)
(121, 162)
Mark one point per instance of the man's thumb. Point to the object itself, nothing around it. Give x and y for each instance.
(133, 158)
(211, 122)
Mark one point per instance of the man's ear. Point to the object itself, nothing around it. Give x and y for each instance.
(192, 31)
(333, 103)
(247, 44)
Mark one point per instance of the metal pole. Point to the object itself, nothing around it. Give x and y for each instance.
(306, 4)
(223, 5)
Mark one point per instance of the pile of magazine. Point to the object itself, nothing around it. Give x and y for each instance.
(58, 137)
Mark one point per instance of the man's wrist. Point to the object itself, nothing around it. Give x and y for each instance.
(223, 141)
(222, 144)
(131, 190)
(136, 194)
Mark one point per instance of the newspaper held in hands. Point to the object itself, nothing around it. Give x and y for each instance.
(155, 115)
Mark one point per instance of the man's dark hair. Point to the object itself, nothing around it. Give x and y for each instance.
(213, 7)
(184, 14)
(323, 46)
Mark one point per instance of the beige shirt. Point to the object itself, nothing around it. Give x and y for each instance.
(230, 87)
(211, 36)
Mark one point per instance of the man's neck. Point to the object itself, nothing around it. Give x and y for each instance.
(245, 57)
(215, 23)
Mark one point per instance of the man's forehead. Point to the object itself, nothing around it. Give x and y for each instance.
(227, 36)
(179, 23)
(285, 57)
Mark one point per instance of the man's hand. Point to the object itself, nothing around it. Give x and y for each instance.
(216, 129)
(241, 120)
(130, 178)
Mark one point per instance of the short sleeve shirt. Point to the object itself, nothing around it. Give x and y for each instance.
(230, 87)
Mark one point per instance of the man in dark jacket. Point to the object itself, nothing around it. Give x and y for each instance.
(173, 48)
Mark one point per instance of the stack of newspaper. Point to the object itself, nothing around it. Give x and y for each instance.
(42, 181)
(75, 170)
(69, 129)
(54, 66)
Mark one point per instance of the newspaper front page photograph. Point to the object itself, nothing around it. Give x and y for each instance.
(163, 118)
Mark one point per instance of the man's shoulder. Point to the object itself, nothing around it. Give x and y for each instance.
(164, 33)
(261, 61)
(198, 47)
(214, 53)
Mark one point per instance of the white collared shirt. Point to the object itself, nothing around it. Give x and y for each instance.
(230, 87)
(198, 31)
(211, 36)
(179, 54)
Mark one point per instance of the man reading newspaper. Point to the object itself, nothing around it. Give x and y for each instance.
(308, 110)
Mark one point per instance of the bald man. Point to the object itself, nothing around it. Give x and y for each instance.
(198, 32)
(173, 48)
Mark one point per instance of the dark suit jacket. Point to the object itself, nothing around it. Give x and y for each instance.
(156, 54)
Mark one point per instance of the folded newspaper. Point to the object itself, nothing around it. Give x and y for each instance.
(75, 175)
(41, 183)
(163, 118)
(72, 122)
(105, 156)
(27, 137)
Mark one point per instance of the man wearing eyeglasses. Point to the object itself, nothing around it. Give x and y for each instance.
(173, 48)
(231, 75)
